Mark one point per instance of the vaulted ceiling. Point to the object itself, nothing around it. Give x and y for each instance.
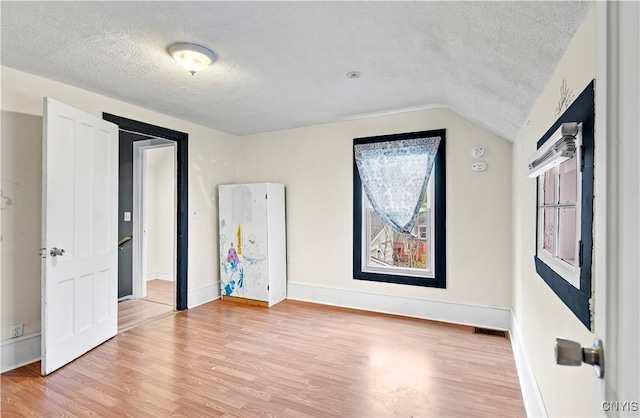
(284, 64)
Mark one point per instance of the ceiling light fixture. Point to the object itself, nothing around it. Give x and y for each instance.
(191, 56)
(354, 74)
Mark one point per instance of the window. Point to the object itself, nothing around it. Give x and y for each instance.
(559, 208)
(415, 256)
(565, 211)
(388, 251)
(423, 231)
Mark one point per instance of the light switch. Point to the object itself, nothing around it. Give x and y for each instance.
(127, 216)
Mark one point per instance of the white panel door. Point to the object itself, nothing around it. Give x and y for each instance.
(80, 203)
(617, 207)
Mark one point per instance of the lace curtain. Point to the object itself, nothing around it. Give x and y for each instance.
(394, 177)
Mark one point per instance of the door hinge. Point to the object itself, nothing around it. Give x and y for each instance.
(265, 196)
(581, 158)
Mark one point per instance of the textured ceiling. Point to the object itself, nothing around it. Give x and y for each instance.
(284, 64)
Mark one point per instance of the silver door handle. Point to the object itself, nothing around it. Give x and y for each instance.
(56, 252)
(571, 353)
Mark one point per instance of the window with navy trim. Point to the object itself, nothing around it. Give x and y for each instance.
(386, 249)
(559, 210)
(565, 209)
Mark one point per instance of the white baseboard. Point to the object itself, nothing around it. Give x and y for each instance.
(203, 294)
(18, 352)
(159, 276)
(533, 402)
(453, 312)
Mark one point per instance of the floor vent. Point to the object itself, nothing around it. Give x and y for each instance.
(493, 332)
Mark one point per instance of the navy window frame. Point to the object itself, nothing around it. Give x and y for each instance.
(440, 210)
(582, 110)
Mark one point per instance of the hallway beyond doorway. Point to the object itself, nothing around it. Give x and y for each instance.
(157, 304)
(160, 291)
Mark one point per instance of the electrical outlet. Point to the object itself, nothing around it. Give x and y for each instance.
(16, 331)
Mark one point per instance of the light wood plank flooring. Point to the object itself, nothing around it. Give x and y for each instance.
(160, 291)
(158, 303)
(295, 359)
(132, 313)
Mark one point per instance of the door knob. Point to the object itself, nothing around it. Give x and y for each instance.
(571, 353)
(56, 252)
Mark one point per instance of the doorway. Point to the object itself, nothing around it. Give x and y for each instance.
(156, 190)
(148, 212)
(137, 141)
(154, 202)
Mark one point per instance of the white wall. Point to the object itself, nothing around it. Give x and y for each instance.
(21, 221)
(212, 160)
(160, 212)
(316, 166)
(541, 315)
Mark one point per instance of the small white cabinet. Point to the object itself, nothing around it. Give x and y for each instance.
(253, 242)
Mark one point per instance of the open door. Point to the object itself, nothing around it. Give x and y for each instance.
(618, 206)
(79, 228)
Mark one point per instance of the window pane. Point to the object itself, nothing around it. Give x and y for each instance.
(548, 229)
(418, 245)
(567, 235)
(550, 187)
(381, 241)
(569, 181)
(391, 249)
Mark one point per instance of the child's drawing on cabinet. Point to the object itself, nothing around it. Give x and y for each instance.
(232, 258)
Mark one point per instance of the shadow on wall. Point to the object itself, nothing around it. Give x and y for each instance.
(21, 206)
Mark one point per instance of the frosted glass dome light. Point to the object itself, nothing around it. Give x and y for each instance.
(191, 56)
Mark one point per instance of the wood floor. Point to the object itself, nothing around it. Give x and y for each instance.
(132, 313)
(295, 359)
(159, 302)
(160, 291)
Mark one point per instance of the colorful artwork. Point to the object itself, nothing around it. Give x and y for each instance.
(243, 262)
(232, 258)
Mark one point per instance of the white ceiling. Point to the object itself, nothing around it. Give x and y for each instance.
(284, 64)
